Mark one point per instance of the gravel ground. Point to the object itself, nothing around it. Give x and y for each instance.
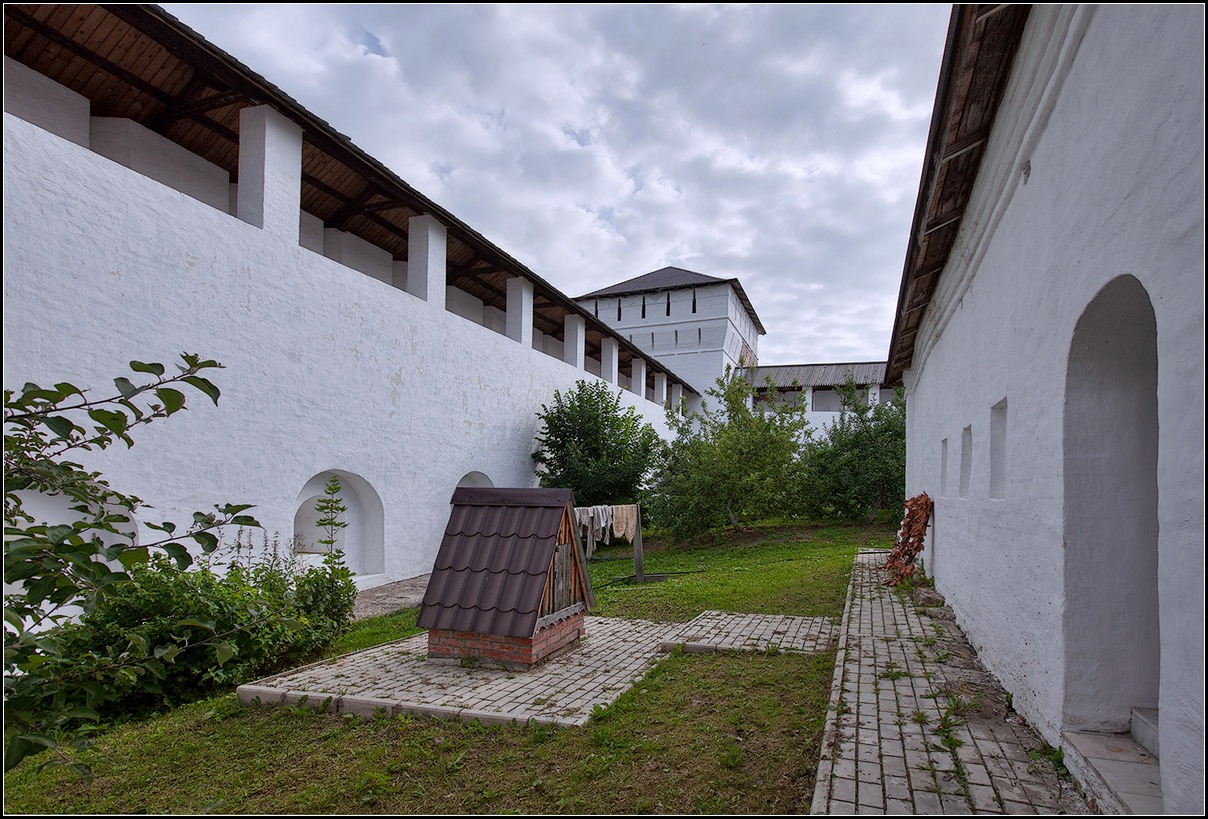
(390, 597)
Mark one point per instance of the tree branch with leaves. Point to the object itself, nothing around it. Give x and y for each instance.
(50, 696)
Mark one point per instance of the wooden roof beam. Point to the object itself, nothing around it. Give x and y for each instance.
(183, 110)
(100, 62)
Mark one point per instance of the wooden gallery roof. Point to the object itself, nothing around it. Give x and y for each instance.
(982, 41)
(139, 62)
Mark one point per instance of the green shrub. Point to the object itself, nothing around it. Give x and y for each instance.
(269, 610)
(590, 444)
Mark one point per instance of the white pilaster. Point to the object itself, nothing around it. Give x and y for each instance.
(660, 388)
(427, 246)
(677, 395)
(574, 340)
(270, 172)
(610, 350)
(637, 380)
(808, 398)
(874, 395)
(520, 310)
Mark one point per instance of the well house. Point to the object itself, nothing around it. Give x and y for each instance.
(509, 586)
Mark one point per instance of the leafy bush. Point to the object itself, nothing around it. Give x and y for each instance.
(729, 463)
(859, 468)
(268, 610)
(59, 568)
(589, 444)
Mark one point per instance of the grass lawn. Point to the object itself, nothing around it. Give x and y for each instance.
(722, 733)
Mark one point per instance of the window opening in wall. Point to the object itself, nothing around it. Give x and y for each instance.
(643, 307)
(677, 338)
(693, 301)
(668, 304)
(944, 468)
(618, 309)
(966, 460)
(652, 341)
(998, 450)
(596, 308)
(699, 337)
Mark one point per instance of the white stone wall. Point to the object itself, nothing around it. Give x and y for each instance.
(141, 149)
(327, 369)
(1094, 171)
(697, 345)
(38, 99)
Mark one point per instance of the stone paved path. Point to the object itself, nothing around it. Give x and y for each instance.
(564, 690)
(917, 726)
(721, 631)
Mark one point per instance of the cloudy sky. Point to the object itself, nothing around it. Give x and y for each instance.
(778, 144)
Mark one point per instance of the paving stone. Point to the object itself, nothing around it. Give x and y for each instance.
(1021, 808)
(898, 807)
(843, 790)
(870, 794)
(954, 803)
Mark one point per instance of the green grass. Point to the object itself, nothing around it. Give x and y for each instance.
(783, 569)
(723, 733)
(373, 631)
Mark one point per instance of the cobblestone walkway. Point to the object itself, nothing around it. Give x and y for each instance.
(398, 677)
(917, 726)
(721, 631)
(564, 690)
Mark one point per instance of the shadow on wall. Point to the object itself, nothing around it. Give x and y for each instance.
(476, 479)
(363, 539)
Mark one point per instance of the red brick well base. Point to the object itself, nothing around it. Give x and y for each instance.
(517, 653)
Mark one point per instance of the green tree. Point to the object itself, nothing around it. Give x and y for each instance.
(50, 695)
(859, 468)
(330, 508)
(589, 444)
(731, 463)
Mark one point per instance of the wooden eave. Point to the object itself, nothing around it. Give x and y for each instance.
(138, 62)
(981, 46)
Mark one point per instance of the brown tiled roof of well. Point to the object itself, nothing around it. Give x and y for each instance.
(489, 575)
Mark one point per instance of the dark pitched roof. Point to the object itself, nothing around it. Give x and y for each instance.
(816, 375)
(978, 56)
(489, 575)
(666, 278)
(674, 278)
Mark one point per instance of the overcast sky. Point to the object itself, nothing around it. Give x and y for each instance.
(781, 145)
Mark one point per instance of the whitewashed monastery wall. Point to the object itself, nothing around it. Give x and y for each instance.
(328, 368)
(1094, 172)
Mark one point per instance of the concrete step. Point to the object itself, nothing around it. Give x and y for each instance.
(1117, 775)
(1145, 729)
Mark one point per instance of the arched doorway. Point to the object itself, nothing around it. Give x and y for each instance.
(362, 541)
(477, 479)
(1110, 457)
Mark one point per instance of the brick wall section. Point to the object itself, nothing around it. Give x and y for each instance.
(511, 652)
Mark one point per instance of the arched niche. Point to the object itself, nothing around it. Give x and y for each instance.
(363, 539)
(1110, 460)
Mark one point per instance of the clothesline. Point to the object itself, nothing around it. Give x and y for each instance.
(600, 523)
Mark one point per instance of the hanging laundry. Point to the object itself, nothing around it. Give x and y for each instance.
(595, 526)
(604, 522)
(625, 521)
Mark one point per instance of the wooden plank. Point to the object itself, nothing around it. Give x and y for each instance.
(639, 558)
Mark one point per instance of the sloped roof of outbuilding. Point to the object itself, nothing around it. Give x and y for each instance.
(674, 278)
(490, 573)
(786, 376)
